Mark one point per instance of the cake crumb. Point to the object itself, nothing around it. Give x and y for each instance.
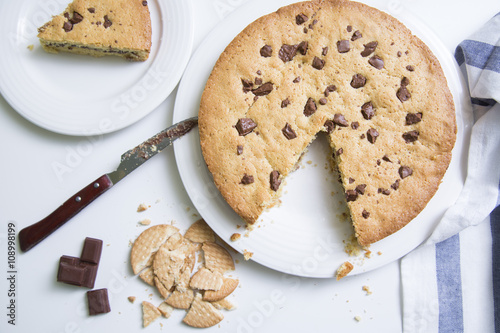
(352, 247)
(131, 299)
(367, 289)
(247, 254)
(235, 237)
(142, 207)
(344, 269)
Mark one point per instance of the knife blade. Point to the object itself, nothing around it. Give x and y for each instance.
(130, 160)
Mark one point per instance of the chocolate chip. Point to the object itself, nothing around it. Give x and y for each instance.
(403, 94)
(356, 35)
(77, 18)
(245, 126)
(310, 107)
(239, 150)
(361, 189)
(351, 180)
(247, 85)
(259, 72)
(91, 10)
(367, 110)
(358, 81)
(144, 3)
(324, 52)
(329, 89)
(410, 68)
(365, 214)
(384, 191)
(405, 81)
(288, 132)
(351, 195)
(66, 15)
(107, 22)
(266, 51)
(302, 47)
(339, 119)
(405, 171)
(258, 81)
(343, 46)
(371, 135)
(296, 80)
(322, 101)
(301, 18)
(285, 103)
(354, 125)
(376, 62)
(369, 48)
(318, 63)
(386, 158)
(287, 52)
(349, 28)
(330, 126)
(247, 179)
(379, 162)
(274, 180)
(340, 151)
(413, 118)
(67, 26)
(395, 185)
(263, 90)
(399, 54)
(411, 136)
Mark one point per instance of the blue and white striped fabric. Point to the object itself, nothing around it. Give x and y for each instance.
(451, 283)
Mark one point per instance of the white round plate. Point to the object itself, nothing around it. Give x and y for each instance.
(306, 234)
(81, 95)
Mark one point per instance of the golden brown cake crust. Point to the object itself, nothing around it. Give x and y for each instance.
(96, 27)
(270, 94)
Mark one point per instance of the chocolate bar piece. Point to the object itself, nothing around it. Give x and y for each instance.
(91, 250)
(98, 301)
(76, 272)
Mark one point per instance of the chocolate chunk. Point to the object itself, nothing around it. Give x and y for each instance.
(258, 81)
(245, 126)
(296, 80)
(367, 110)
(369, 48)
(301, 18)
(376, 62)
(287, 52)
(330, 126)
(351, 180)
(302, 47)
(67, 26)
(324, 52)
(405, 81)
(263, 90)
(339, 119)
(365, 214)
(91, 10)
(372, 135)
(310, 107)
(384, 191)
(288, 132)
(77, 18)
(356, 35)
(411, 136)
(340, 151)
(354, 125)
(71, 274)
(399, 54)
(247, 85)
(395, 185)
(247, 179)
(98, 301)
(410, 68)
(349, 28)
(322, 101)
(343, 46)
(386, 158)
(92, 249)
(239, 150)
(413, 118)
(351, 195)
(358, 81)
(405, 171)
(144, 3)
(329, 89)
(318, 63)
(403, 94)
(285, 103)
(379, 162)
(361, 189)
(266, 51)
(274, 180)
(107, 22)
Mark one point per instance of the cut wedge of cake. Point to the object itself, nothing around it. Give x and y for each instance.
(100, 27)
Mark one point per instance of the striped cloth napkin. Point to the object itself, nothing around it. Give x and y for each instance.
(451, 283)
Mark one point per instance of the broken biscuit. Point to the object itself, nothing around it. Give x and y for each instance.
(217, 258)
(206, 279)
(149, 313)
(200, 232)
(344, 269)
(202, 314)
(228, 286)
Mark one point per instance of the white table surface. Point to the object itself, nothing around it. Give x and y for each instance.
(267, 300)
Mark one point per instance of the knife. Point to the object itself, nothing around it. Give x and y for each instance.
(131, 160)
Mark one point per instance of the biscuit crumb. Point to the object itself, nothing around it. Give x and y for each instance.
(30, 47)
(235, 237)
(357, 318)
(145, 222)
(142, 207)
(131, 299)
(379, 253)
(367, 289)
(344, 269)
(247, 254)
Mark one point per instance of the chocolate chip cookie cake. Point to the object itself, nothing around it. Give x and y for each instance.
(99, 28)
(342, 68)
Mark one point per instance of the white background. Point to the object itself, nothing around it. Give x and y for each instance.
(267, 300)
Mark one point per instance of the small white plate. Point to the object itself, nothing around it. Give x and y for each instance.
(306, 233)
(81, 95)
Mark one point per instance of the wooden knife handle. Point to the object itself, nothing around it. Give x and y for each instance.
(34, 234)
